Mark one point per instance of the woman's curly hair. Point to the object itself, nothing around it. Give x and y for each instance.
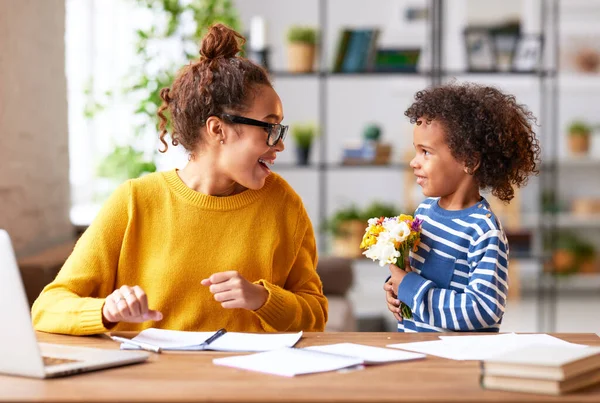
(485, 126)
(220, 81)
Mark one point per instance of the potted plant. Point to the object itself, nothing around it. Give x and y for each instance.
(303, 135)
(302, 43)
(579, 137)
(347, 227)
(572, 255)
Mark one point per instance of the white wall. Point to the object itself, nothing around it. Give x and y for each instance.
(34, 160)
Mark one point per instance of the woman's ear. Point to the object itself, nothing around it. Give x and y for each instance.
(215, 130)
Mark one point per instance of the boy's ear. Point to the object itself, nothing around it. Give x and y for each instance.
(472, 169)
(215, 129)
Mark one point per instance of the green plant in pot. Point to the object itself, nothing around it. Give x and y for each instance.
(303, 135)
(572, 254)
(372, 132)
(302, 44)
(579, 137)
(347, 226)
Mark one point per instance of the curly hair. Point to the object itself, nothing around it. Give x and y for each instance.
(219, 82)
(487, 127)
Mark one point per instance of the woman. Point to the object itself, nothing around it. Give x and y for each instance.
(222, 243)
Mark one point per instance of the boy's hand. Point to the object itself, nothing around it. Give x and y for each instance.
(397, 275)
(393, 303)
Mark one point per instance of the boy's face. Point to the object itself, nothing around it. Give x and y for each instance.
(438, 173)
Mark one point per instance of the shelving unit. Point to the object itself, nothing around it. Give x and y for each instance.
(548, 81)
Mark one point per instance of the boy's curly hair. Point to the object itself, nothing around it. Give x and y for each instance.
(484, 125)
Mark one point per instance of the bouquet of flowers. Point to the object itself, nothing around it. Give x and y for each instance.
(390, 240)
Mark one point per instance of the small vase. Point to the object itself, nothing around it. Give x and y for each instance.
(302, 155)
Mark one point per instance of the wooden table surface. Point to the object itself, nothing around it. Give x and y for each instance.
(191, 376)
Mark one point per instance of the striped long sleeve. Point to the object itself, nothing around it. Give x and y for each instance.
(459, 280)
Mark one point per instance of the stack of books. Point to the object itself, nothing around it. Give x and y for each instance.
(542, 369)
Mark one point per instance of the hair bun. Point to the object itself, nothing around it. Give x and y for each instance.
(221, 42)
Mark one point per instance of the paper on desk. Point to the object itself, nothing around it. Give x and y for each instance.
(368, 354)
(230, 341)
(289, 362)
(480, 347)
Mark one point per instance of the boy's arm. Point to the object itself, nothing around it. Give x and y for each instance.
(482, 303)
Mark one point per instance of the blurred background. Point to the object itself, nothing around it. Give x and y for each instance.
(79, 91)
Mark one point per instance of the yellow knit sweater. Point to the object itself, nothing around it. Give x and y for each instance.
(157, 233)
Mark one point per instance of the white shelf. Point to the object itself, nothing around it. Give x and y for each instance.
(563, 220)
(579, 81)
(581, 162)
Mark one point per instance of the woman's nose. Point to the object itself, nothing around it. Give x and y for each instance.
(279, 147)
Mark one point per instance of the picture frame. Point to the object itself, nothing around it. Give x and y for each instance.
(480, 49)
(505, 45)
(528, 53)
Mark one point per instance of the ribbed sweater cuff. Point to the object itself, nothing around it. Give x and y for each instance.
(275, 312)
(91, 316)
(412, 286)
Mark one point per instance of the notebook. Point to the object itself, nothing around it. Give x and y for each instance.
(293, 361)
(545, 386)
(543, 362)
(176, 340)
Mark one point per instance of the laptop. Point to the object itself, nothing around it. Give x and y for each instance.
(21, 354)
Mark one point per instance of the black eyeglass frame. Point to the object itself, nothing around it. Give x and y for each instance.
(280, 129)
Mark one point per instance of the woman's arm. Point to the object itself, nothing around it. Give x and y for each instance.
(72, 303)
(300, 304)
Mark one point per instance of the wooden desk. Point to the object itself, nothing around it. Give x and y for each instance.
(189, 377)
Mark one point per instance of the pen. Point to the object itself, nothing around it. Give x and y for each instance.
(143, 346)
(212, 338)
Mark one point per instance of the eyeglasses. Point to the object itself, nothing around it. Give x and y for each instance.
(276, 131)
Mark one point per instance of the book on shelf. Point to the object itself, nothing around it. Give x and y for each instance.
(356, 50)
(542, 369)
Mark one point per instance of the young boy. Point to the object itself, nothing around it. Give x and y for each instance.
(467, 138)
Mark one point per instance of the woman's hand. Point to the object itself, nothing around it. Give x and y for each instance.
(234, 291)
(128, 304)
(393, 303)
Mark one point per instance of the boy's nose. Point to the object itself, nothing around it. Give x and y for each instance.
(413, 163)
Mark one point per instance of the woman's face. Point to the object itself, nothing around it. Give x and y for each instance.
(245, 155)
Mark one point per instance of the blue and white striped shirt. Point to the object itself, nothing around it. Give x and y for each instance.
(459, 278)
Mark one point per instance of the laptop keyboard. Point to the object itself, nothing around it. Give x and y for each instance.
(49, 361)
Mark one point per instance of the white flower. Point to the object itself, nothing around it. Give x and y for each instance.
(383, 250)
(398, 231)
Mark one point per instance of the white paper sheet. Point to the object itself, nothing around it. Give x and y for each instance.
(289, 362)
(369, 354)
(230, 341)
(480, 347)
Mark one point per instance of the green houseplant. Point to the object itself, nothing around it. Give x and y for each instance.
(579, 137)
(302, 44)
(347, 226)
(303, 135)
(151, 73)
(572, 255)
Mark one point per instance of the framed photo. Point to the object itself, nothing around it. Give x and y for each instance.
(528, 54)
(505, 44)
(479, 44)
